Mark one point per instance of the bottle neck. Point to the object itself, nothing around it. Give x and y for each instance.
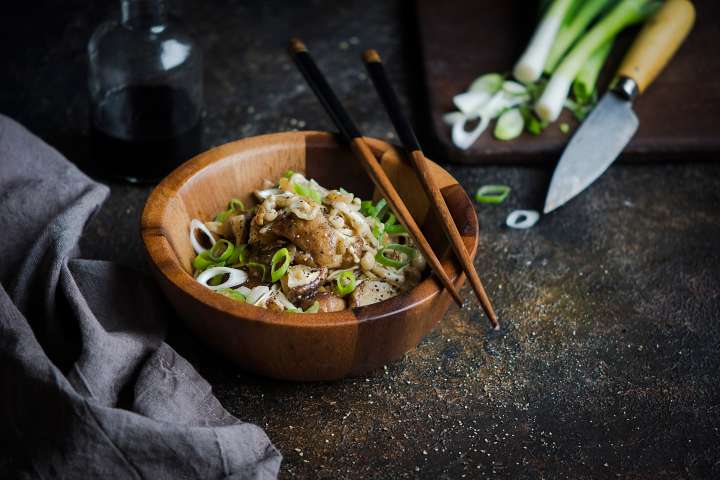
(143, 14)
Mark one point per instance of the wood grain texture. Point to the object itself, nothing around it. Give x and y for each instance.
(657, 42)
(462, 39)
(290, 346)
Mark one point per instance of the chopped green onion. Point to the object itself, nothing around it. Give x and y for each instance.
(394, 229)
(288, 173)
(509, 125)
(391, 227)
(345, 283)
(235, 206)
(203, 261)
(308, 192)
(378, 208)
(314, 308)
(533, 124)
(564, 127)
(492, 194)
(382, 258)
(580, 110)
(343, 191)
(231, 293)
(257, 266)
(366, 208)
(217, 279)
(239, 255)
(370, 210)
(490, 82)
(222, 250)
(276, 273)
(378, 230)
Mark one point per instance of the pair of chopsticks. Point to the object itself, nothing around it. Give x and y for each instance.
(352, 135)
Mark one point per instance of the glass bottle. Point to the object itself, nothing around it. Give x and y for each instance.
(146, 94)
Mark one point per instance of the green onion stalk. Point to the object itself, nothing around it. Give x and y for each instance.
(584, 84)
(573, 27)
(530, 65)
(624, 14)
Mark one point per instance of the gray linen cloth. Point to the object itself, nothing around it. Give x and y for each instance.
(88, 389)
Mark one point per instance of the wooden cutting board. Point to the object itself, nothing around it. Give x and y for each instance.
(679, 113)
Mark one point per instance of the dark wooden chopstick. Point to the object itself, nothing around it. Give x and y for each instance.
(410, 142)
(352, 135)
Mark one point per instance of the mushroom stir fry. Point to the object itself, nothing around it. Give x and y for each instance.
(305, 249)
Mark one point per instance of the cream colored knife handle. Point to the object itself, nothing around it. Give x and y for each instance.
(656, 43)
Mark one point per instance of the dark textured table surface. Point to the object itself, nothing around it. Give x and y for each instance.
(608, 360)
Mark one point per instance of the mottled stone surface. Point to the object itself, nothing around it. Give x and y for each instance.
(607, 364)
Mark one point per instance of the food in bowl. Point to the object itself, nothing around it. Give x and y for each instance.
(305, 249)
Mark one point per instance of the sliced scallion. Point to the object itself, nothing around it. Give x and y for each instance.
(406, 255)
(234, 294)
(492, 194)
(259, 267)
(345, 283)
(239, 255)
(522, 219)
(222, 250)
(202, 261)
(510, 125)
(308, 192)
(279, 264)
(235, 207)
(234, 278)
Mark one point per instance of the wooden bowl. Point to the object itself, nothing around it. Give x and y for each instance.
(321, 346)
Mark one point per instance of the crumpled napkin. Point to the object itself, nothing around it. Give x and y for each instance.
(88, 389)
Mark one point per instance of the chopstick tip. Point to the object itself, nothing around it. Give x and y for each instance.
(297, 45)
(371, 56)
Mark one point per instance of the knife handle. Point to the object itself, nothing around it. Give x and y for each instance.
(656, 43)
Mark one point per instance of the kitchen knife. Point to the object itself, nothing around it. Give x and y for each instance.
(610, 126)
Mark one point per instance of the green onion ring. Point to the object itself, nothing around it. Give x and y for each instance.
(202, 261)
(409, 252)
(492, 193)
(257, 266)
(226, 252)
(281, 255)
(236, 205)
(232, 293)
(238, 256)
(345, 283)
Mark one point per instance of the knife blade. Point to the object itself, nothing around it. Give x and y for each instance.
(610, 126)
(593, 148)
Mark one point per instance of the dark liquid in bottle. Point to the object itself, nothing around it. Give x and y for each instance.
(141, 133)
